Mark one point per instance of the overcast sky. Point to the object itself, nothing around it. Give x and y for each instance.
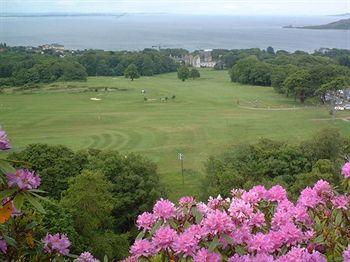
(235, 7)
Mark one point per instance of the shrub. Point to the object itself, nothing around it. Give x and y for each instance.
(256, 225)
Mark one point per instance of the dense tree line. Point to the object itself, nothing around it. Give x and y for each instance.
(148, 62)
(271, 162)
(297, 74)
(95, 196)
(19, 66)
(17, 69)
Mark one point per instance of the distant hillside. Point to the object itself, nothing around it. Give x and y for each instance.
(344, 15)
(343, 24)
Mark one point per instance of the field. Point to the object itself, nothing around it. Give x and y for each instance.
(207, 116)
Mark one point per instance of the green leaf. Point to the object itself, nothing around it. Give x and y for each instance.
(214, 244)
(173, 224)
(155, 227)
(18, 201)
(198, 215)
(35, 203)
(339, 218)
(31, 225)
(72, 256)
(41, 197)
(105, 258)
(140, 235)
(6, 168)
(38, 191)
(240, 250)
(6, 193)
(228, 239)
(10, 241)
(318, 224)
(319, 239)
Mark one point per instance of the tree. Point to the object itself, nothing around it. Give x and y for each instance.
(54, 164)
(183, 73)
(131, 72)
(323, 169)
(90, 200)
(251, 71)
(279, 75)
(326, 144)
(299, 84)
(135, 184)
(59, 220)
(270, 50)
(194, 73)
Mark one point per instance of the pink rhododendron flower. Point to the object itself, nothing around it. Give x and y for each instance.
(301, 215)
(277, 239)
(257, 219)
(195, 230)
(322, 188)
(280, 218)
(302, 255)
(217, 222)
(309, 198)
(142, 248)
(203, 255)
(164, 238)
(186, 243)
(164, 209)
(24, 179)
(57, 243)
(341, 202)
(346, 170)
(86, 257)
(276, 193)
(130, 259)
(203, 208)
(250, 258)
(237, 192)
(3, 246)
(4, 141)
(146, 221)
(292, 235)
(346, 254)
(241, 234)
(218, 202)
(254, 195)
(187, 201)
(260, 243)
(240, 209)
(259, 190)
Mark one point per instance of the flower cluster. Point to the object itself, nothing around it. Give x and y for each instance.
(346, 170)
(4, 141)
(23, 179)
(86, 257)
(256, 225)
(3, 246)
(57, 243)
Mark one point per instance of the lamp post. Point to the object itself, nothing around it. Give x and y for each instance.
(181, 158)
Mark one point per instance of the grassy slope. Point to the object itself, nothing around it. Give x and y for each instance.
(204, 119)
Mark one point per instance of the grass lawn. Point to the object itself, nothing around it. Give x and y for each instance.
(203, 119)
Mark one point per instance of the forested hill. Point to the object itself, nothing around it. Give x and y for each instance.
(343, 24)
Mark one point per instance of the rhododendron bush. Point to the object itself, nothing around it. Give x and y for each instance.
(256, 225)
(18, 188)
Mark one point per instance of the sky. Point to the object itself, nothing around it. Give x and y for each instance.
(215, 7)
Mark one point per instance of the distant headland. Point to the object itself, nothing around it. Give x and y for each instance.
(343, 24)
